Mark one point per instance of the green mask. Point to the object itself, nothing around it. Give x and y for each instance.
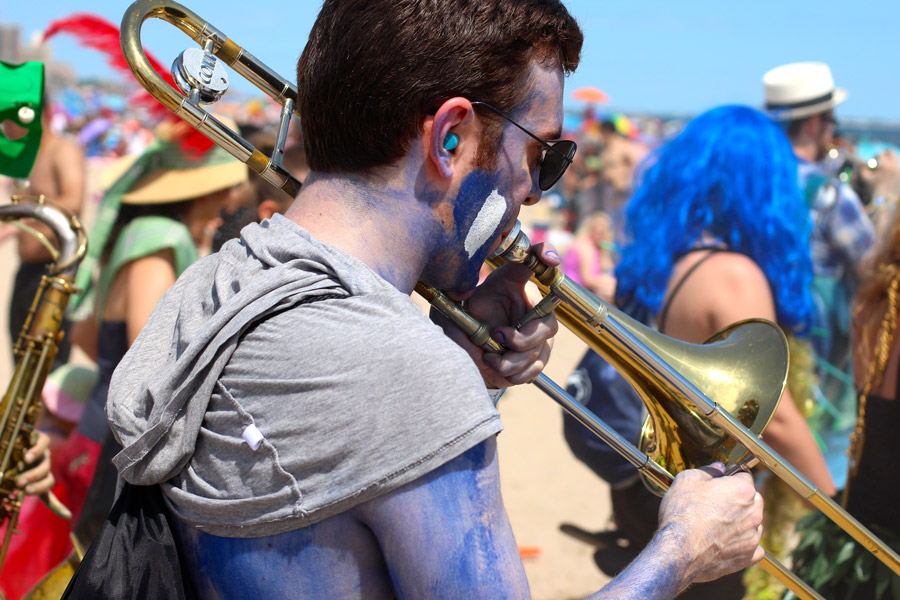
(21, 93)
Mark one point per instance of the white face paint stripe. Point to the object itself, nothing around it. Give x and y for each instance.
(485, 224)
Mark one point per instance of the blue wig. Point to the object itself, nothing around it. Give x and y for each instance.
(731, 175)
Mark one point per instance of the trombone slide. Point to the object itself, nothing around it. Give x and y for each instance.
(479, 333)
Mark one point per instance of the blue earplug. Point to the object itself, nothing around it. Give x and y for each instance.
(451, 141)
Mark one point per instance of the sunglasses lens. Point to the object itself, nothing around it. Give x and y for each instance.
(554, 165)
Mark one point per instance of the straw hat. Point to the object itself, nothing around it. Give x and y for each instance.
(175, 176)
(802, 89)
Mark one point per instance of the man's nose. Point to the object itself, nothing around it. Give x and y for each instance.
(535, 193)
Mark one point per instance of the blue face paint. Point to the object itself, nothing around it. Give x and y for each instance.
(415, 226)
(479, 213)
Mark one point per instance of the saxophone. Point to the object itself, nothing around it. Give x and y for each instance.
(34, 351)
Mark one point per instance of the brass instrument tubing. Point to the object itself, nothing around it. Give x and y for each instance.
(69, 246)
(241, 61)
(40, 237)
(281, 137)
(264, 78)
(771, 459)
(10, 530)
(10, 403)
(606, 324)
(35, 348)
(479, 333)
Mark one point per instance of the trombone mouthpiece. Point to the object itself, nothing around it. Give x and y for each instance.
(515, 247)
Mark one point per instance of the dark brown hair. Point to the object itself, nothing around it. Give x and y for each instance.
(373, 69)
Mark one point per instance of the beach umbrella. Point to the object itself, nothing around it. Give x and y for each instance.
(591, 95)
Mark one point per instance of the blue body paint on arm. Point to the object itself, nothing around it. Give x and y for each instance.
(447, 535)
(656, 574)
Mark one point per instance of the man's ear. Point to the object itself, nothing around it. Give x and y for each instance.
(451, 135)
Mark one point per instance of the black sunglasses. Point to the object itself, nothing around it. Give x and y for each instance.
(557, 155)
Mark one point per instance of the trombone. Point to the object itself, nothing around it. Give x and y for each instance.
(707, 402)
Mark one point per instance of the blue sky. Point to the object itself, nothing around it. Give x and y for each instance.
(655, 56)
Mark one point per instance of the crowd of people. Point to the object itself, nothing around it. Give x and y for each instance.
(343, 467)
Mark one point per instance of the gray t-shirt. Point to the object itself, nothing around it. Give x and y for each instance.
(353, 396)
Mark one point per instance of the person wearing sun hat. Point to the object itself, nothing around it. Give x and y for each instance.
(148, 228)
(802, 98)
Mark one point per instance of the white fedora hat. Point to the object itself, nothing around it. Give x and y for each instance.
(802, 89)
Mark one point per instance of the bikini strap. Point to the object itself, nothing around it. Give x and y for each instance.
(696, 265)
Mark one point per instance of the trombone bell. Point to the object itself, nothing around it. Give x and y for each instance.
(743, 367)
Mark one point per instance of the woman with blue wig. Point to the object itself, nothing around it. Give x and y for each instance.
(718, 231)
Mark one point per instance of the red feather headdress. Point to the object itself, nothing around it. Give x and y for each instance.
(98, 33)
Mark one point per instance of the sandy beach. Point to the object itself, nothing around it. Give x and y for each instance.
(543, 484)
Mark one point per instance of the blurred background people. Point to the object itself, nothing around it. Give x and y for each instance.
(802, 98)
(718, 232)
(154, 215)
(59, 174)
(826, 556)
(602, 178)
(590, 258)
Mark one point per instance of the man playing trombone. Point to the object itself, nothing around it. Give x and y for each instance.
(314, 434)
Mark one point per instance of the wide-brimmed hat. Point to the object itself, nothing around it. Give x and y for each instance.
(175, 175)
(802, 89)
(165, 172)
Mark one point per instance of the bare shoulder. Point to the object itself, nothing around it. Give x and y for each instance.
(736, 269)
(732, 277)
(67, 150)
(726, 288)
(736, 289)
(717, 268)
(161, 263)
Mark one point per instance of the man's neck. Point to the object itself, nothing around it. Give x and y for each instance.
(375, 219)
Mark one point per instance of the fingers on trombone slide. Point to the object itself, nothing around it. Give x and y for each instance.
(543, 308)
(742, 467)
